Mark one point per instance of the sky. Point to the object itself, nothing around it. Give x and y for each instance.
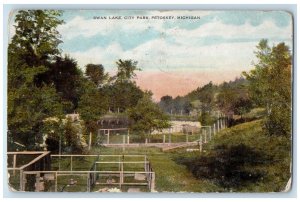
(176, 55)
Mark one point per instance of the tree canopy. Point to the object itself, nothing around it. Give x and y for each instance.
(147, 116)
(270, 86)
(32, 48)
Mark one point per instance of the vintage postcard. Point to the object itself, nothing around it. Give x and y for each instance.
(149, 101)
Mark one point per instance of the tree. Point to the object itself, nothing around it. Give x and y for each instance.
(36, 39)
(147, 116)
(29, 105)
(242, 105)
(64, 74)
(181, 105)
(206, 96)
(126, 70)
(96, 74)
(91, 105)
(206, 119)
(122, 92)
(166, 104)
(233, 97)
(270, 86)
(32, 48)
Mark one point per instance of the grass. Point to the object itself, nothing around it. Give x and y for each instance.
(175, 177)
(276, 149)
(170, 176)
(156, 138)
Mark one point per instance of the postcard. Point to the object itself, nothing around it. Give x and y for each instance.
(150, 101)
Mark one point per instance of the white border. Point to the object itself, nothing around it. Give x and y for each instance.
(110, 4)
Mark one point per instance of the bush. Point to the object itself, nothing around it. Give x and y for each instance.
(229, 167)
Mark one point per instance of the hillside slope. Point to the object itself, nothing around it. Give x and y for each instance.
(243, 158)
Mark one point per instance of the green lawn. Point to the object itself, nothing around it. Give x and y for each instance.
(276, 150)
(155, 138)
(172, 176)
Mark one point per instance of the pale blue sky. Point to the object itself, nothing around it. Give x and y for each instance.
(176, 56)
(169, 41)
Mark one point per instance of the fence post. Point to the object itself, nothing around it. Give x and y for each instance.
(209, 133)
(205, 136)
(22, 180)
(164, 139)
(108, 137)
(221, 123)
(200, 144)
(88, 183)
(152, 186)
(90, 140)
(122, 174)
(14, 164)
(128, 137)
(71, 163)
(55, 181)
(123, 142)
(214, 128)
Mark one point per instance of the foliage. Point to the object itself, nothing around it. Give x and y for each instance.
(72, 138)
(32, 48)
(28, 105)
(96, 74)
(180, 105)
(227, 166)
(206, 119)
(239, 151)
(205, 95)
(54, 131)
(122, 96)
(126, 70)
(64, 132)
(91, 105)
(147, 116)
(233, 97)
(64, 74)
(36, 39)
(270, 86)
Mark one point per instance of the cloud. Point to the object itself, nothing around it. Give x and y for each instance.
(163, 56)
(88, 27)
(266, 29)
(213, 45)
(97, 55)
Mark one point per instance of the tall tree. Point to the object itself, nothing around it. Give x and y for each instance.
(166, 104)
(91, 105)
(95, 72)
(205, 95)
(126, 70)
(270, 86)
(233, 97)
(33, 47)
(37, 38)
(147, 116)
(64, 74)
(122, 91)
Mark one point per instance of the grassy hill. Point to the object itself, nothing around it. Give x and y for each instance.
(266, 159)
(243, 158)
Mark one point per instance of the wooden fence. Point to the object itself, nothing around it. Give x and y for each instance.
(35, 178)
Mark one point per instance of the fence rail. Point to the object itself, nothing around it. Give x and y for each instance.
(37, 178)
